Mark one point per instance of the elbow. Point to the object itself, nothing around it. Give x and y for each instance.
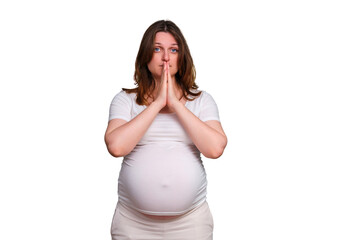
(215, 152)
(116, 153)
(116, 150)
(114, 147)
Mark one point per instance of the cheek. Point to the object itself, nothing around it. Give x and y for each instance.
(174, 68)
(153, 63)
(174, 63)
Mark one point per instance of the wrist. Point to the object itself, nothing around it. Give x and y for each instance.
(157, 105)
(177, 106)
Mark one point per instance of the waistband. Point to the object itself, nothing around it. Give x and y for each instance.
(138, 216)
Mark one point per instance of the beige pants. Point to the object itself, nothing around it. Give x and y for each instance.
(128, 224)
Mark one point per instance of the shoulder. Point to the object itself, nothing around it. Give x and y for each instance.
(202, 101)
(123, 100)
(124, 96)
(204, 96)
(204, 107)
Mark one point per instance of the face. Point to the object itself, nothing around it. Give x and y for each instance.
(165, 50)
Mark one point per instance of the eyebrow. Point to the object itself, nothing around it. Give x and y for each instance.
(171, 44)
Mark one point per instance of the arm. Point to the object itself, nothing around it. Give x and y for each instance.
(208, 137)
(121, 136)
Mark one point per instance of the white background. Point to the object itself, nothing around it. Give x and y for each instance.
(285, 76)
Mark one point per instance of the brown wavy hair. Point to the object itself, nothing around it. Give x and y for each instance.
(185, 77)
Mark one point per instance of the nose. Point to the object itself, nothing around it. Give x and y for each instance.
(165, 56)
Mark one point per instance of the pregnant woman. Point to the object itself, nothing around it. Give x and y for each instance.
(160, 128)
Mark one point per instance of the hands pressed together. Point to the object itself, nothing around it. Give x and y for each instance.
(166, 95)
(208, 136)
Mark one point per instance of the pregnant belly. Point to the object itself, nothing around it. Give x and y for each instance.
(162, 180)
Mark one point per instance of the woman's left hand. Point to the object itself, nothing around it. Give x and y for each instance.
(172, 99)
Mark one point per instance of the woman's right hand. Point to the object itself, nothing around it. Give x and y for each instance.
(161, 96)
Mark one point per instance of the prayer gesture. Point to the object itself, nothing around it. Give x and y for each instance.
(167, 91)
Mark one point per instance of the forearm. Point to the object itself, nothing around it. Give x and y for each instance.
(211, 142)
(122, 139)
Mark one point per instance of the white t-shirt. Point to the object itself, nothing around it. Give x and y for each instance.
(163, 174)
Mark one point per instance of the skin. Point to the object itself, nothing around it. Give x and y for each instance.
(209, 136)
(163, 67)
(121, 136)
(165, 50)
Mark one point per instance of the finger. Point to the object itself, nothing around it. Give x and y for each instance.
(164, 70)
(167, 70)
(170, 83)
(171, 78)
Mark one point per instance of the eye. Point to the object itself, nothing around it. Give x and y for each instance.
(157, 49)
(173, 50)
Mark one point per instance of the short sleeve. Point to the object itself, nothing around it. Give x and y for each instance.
(120, 107)
(208, 108)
